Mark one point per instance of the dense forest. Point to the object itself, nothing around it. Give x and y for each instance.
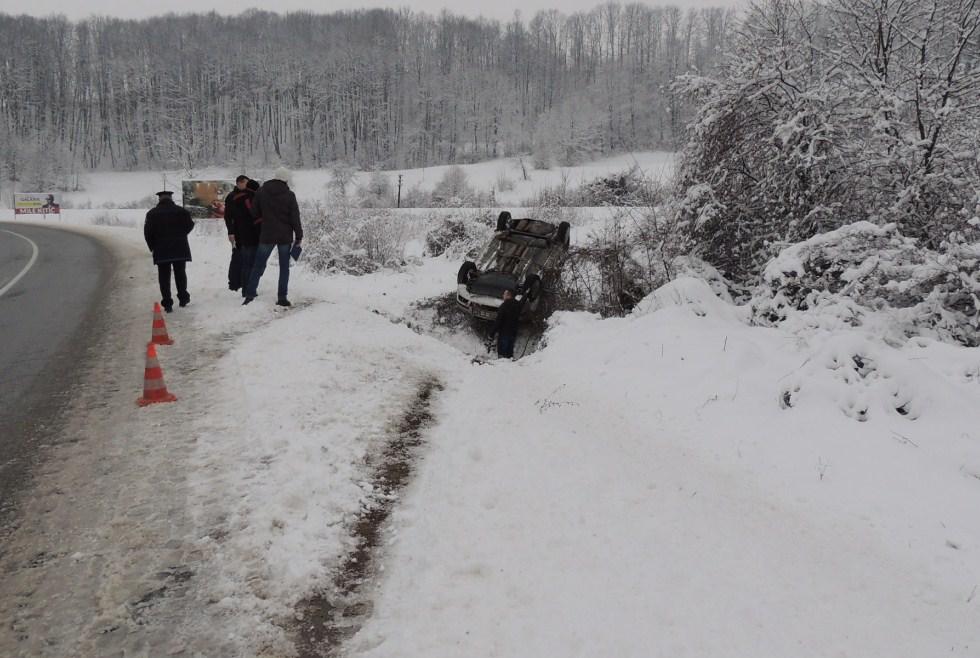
(374, 88)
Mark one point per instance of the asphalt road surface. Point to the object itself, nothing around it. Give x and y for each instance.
(53, 285)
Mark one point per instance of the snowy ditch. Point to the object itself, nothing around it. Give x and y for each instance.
(441, 318)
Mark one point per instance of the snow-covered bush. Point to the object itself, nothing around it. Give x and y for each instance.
(341, 177)
(762, 160)
(376, 192)
(452, 190)
(636, 252)
(451, 231)
(458, 235)
(863, 274)
(561, 195)
(815, 121)
(542, 155)
(355, 241)
(627, 188)
(416, 196)
(569, 133)
(602, 275)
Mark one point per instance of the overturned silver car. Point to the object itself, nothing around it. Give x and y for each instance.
(524, 255)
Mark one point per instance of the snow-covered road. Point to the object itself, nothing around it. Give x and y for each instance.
(45, 317)
(101, 537)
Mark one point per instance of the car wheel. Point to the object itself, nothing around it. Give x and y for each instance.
(532, 286)
(532, 291)
(466, 272)
(561, 236)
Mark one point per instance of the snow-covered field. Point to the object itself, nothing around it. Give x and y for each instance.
(672, 483)
(136, 189)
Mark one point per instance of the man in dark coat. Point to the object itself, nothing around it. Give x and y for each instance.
(505, 326)
(276, 208)
(235, 266)
(243, 229)
(165, 230)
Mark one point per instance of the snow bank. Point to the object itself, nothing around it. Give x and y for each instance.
(305, 400)
(276, 494)
(639, 488)
(872, 276)
(693, 294)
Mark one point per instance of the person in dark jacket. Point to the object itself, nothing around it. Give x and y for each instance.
(505, 326)
(243, 228)
(275, 205)
(165, 230)
(235, 266)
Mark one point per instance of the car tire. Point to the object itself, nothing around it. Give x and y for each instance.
(532, 288)
(562, 234)
(532, 293)
(466, 272)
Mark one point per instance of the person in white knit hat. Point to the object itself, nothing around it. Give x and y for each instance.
(276, 209)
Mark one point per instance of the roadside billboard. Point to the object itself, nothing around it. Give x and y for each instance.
(205, 199)
(37, 203)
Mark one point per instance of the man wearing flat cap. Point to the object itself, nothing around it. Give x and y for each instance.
(165, 230)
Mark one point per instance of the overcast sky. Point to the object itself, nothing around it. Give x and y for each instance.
(500, 9)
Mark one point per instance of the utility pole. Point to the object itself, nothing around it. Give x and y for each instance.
(399, 190)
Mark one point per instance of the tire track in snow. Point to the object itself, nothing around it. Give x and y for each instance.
(328, 619)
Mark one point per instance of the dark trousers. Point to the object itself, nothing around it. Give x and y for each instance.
(262, 253)
(246, 256)
(505, 345)
(180, 278)
(235, 269)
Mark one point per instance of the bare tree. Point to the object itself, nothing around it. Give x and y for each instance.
(377, 87)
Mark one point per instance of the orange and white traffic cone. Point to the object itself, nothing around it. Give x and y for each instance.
(154, 389)
(159, 335)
